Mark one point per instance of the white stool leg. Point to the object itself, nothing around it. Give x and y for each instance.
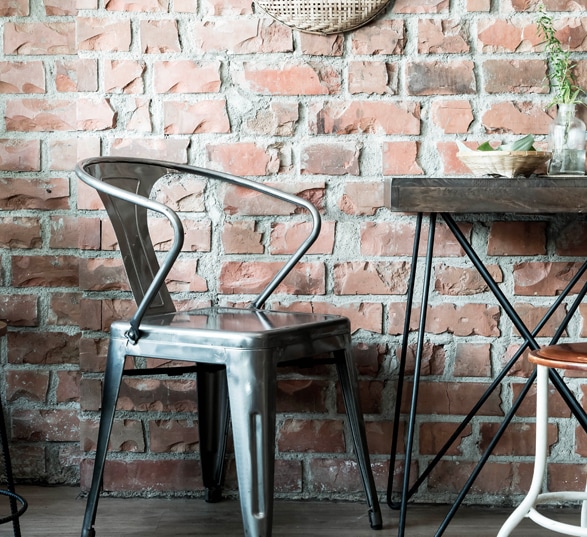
(584, 511)
(540, 456)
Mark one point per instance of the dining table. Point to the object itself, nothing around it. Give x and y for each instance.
(453, 199)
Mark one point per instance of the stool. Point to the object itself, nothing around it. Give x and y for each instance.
(14, 498)
(571, 356)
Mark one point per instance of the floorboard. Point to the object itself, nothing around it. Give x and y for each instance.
(58, 511)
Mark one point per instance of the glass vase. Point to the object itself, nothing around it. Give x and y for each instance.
(566, 140)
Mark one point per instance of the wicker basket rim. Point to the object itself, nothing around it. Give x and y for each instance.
(323, 16)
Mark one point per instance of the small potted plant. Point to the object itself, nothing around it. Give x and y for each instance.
(566, 136)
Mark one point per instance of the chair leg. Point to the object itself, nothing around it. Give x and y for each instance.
(252, 390)
(110, 390)
(540, 456)
(347, 375)
(213, 416)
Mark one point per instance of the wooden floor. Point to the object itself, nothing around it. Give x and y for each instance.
(59, 511)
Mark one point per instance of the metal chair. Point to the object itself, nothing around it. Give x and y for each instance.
(236, 350)
(571, 356)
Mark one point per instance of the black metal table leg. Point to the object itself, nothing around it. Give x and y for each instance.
(529, 341)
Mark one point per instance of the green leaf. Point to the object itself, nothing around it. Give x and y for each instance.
(485, 146)
(523, 144)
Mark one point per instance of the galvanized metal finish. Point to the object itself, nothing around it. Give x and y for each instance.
(237, 351)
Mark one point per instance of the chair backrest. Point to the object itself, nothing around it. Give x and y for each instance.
(125, 186)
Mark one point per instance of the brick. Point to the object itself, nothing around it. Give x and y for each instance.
(149, 6)
(446, 36)
(247, 202)
(452, 116)
(439, 78)
(186, 76)
(420, 6)
(433, 360)
(364, 117)
(174, 150)
(64, 309)
(370, 278)
(173, 436)
(60, 7)
(103, 34)
(102, 274)
(40, 425)
(20, 232)
(277, 120)
(65, 231)
(478, 5)
(249, 36)
(147, 394)
(461, 281)
(126, 436)
(517, 238)
(302, 395)
(159, 36)
(285, 238)
(49, 271)
(14, 8)
(433, 436)
(252, 277)
(92, 355)
(60, 115)
(39, 38)
(311, 436)
(519, 439)
(76, 75)
(571, 240)
(27, 385)
(290, 78)
(453, 398)
(362, 315)
(241, 238)
(401, 158)
(140, 116)
(68, 386)
(516, 118)
(330, 159)
(379, 37)
(124, 76)
(22, 77)
(152, 475)
(515, 76)
(531, 315)
(48, 348)
(472, 360)
(373, 77)
(565, 477)
(224, 7)
(196, 118)
(20, 155)
(339, 476)
(19, 310)
(321, 45)
(64, 154)
(361, 199)
(242, 158)
(507, 35)
(545, 279)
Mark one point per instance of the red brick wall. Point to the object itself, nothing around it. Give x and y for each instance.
(219, 84)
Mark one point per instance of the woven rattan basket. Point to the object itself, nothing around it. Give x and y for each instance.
(323, 16)
(504, 163)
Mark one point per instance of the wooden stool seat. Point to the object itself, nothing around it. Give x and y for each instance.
(563, 356)
(571, 356)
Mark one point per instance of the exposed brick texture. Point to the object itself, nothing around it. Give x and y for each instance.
(218, 84)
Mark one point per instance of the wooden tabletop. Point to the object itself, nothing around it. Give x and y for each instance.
(534, 195)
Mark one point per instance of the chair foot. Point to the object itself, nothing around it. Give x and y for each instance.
(91, 532)
(375, 520)
(213, 494)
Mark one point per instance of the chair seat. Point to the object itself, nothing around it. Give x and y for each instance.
(562, 356)
(233, 328)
